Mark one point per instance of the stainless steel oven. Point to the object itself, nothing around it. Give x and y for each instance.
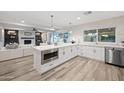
(49, 55)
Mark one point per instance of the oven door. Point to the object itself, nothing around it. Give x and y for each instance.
(48, 56)
(27, 41)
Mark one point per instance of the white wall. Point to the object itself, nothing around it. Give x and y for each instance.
(117, 22)
(1, 37)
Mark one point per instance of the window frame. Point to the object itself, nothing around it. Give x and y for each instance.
(84, 36)
(104, 41)
(97, 41)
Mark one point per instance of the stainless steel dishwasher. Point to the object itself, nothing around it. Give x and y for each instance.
(114, 56)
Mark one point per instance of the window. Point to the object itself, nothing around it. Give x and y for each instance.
(59, 37)
(66, 36)
(90, 36)
(106, 35)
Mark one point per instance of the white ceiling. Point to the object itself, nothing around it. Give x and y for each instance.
(41, 19)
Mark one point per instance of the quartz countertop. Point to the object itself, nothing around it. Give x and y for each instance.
(19, 48)
(48, 47)
(103, 45)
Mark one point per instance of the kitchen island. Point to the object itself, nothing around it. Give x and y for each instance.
(49, 56)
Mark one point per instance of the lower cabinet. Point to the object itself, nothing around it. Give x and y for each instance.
(27, 51)
(67, 53)
(64, 54)
(74, 51)
(99, 53)
(5, 55)
(15, 53)
(48, 66)
(10, 54)
(91, 52)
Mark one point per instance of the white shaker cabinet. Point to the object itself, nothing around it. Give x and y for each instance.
(66, 53)
(61, 55)
(91, 52)
(80, 50)
(74, 51)
(28, 51)
(16, 53)
(10, 54)
(5, 55)
(99, 53)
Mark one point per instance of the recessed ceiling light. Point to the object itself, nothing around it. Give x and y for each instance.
(52, 29)
(22, 21)
(78, 18)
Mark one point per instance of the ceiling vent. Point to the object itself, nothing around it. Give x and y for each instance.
(87, 13)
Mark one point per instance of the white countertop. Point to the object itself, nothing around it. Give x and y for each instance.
(47, 47)
(101, 45)
(20, 47)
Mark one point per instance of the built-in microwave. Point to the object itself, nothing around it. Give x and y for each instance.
(27, 41)
(49, 55)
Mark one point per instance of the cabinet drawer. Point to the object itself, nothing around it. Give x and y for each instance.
(47, 66)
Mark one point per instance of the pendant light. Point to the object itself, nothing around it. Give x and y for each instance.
(70, 30)
(52, 27)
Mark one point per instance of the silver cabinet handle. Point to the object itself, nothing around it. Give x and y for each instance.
(63, 52)
(71, 50)
(94, 51)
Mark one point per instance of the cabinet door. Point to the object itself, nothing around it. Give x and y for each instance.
(5, 55)
(28, 51)
(88, 51)
(81, 50)
(75, 51)
(99, 55)
(16, 53)
(10, 54)
(61, 55)
(47, 66)
(68, 53)
(71, 55)
(85, 51)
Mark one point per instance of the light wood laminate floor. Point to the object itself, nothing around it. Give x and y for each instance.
(76, 69)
